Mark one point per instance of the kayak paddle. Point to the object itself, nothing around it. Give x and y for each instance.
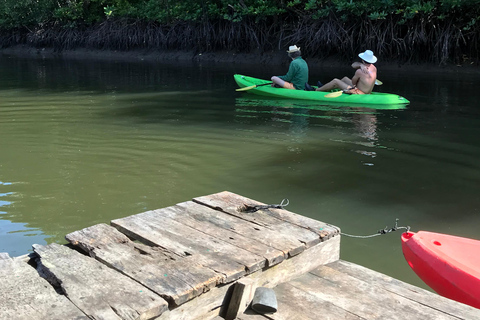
(254, 86)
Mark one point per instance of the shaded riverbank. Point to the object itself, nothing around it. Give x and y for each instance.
(228, 57)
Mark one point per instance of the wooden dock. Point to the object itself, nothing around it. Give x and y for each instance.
(343, 290)
(202, 259)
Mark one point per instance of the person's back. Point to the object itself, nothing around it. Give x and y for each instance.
(366, 79)
(297, 74)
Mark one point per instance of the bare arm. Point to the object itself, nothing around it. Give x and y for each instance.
(361, 66)
(356, 77)
(356, 65)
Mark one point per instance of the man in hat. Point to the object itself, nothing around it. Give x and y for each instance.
(362, 82)
(297, 74)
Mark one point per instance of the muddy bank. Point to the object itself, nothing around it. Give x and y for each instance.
(270, 58)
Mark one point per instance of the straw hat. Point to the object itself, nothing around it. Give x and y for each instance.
(368, 56)
(293, 49)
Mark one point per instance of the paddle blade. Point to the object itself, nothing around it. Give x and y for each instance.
(246, 88)
(378, 82)
(334, 94)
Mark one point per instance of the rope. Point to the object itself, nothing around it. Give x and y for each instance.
(379, 232)
(250, 209)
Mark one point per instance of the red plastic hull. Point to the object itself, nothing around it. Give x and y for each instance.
(449, 265)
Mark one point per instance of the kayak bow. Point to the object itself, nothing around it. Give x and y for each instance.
(449, 265)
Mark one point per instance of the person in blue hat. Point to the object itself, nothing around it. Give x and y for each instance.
(297, 74)
(362, 82)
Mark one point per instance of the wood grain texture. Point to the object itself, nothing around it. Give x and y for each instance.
(362, 298)
(26, 295)
(99, 291)
(408, 291)
(243, 292)
(296, 303)
(210, 304)
(176, 279)
(271, 245)
(234, 204)
(153, 228)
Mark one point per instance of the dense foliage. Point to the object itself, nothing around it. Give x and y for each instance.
(435, 30)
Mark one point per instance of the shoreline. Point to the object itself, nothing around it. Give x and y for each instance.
(270, 58)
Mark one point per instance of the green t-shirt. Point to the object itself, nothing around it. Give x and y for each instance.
(297, 73)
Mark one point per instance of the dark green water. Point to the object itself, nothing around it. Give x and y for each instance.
(85, 142)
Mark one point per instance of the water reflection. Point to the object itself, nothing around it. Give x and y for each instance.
(15, 235)
(357, 125)
(4, 201)
(15, 238)
(299, 113)
(301, 116)
(365, 123)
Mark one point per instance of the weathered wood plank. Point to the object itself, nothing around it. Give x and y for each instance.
(234, 204)
(272, 245)
(152, 228)
(146, 229)
(176, 279)
(262, 219)
(210, 304)
(406, 290)
(361, 298)
(25, 295)
(295, 303)
(99, 291)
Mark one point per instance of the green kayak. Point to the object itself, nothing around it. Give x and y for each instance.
(262, 87)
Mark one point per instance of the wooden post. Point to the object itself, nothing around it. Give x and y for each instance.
(241, 297)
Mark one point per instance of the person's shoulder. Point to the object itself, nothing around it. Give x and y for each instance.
(298, 61)
(301, 60)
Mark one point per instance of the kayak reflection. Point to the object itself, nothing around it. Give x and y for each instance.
(357, 125)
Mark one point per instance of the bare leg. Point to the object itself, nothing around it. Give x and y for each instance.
(348, 81)
(334, 84)
(277, 81)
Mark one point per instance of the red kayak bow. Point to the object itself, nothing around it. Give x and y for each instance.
(448, 264)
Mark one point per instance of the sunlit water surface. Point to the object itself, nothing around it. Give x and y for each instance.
(85, 142)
